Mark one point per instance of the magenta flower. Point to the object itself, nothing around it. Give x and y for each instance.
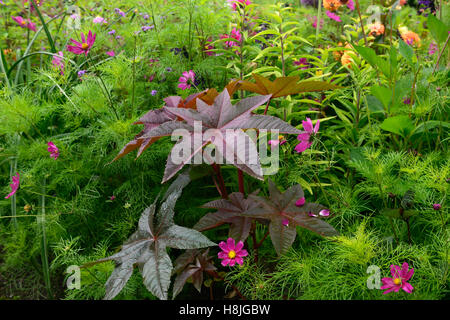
(399, 279)
(233, 3)
(351, 5)
(235, 34)
(313, 21)
(146, 28)
(58, 62)
(306, 138)
(110, 53)
(333, 16)
(232, 253)
(432, 49)
(112, 198)
(437, 206)
(300, 202)
(186, 80)
(53, 149)
(24, 23)
(322, 213)
(84, 46)
(14, 185)
(302, 63)
(285, 222)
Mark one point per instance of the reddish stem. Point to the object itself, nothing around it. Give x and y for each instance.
(224, 193)
(241, 181)
(216, 275)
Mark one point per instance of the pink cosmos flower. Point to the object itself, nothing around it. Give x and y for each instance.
(300, 202)
(58, 62)
(110, 53)
(14, 185)
(280, 141)
(313, 21)
(53, 149)
(84, 46)
(235, 34)
(24, 23)
(306, 138)
(351, 5)
(186, 80)
(302, 63)
(233, 3)
(99, 20)
(231, 253)
(285, 222)
(399, 279)
(432, 49)
(333, 16)
(437, 206)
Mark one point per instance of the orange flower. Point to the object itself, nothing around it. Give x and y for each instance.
(347, 57)
(331, 5)
(376, 29)
(411, 38)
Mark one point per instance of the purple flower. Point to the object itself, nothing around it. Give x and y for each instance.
(14, 185)
(333, 16)
(154, 92)
(407, 100)
(146, 28)
(285, 222)
(81, 73)
(112, 32)
(437, 206)
(110, 53)
(118, 37)
(119, 12)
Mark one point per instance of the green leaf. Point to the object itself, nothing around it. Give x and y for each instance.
(374, 60)
(401, 125)
(438, 29)
(374, 104)
(383, 94)
(47, 32)
(406, 51)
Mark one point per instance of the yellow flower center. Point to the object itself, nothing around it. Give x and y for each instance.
(280, 137)
(84, 46)
(231, 254)
(397, 281)
(23, 22)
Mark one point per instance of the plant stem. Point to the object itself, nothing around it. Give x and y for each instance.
(44, 255)
(241, 181)
(440, 53)
(217, 275)
(360, 20)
